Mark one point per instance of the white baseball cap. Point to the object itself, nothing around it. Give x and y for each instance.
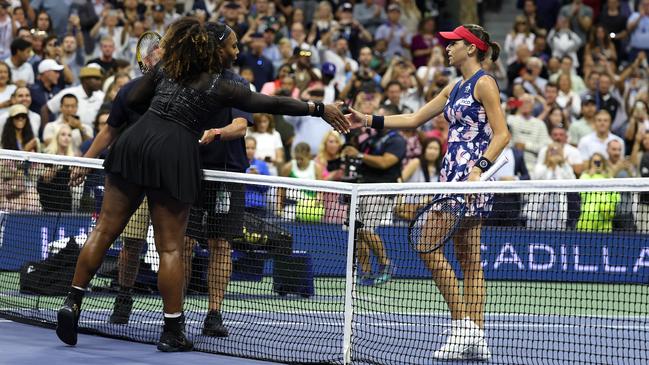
(49, 65)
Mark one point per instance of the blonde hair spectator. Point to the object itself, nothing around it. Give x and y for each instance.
(61, 144)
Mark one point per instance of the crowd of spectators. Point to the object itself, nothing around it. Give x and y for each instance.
(573, 81)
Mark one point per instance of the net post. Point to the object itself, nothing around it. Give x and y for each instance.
(349, 278)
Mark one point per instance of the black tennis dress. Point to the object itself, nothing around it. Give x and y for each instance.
(160, 151)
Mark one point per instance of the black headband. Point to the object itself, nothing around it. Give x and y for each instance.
(220, 31)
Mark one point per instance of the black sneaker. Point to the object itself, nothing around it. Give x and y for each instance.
(213, 325)
(67, 322)
(173, 337)
(121, 309)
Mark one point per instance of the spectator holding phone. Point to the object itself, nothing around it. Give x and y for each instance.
(79, 132)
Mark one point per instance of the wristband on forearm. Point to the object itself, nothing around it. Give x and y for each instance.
(484, 164)
(378, 121)
(318, 109)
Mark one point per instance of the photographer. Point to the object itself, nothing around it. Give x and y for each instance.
(377, 160)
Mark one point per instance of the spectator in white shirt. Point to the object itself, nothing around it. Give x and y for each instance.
(571, 154)
(529, 134)
(550, 211)
(21, 71)
(88, 94)
(564, 41)
(584, 125)
(568, 99)
(80, 132)
(269, 143)
(520, 35)
(597, 141)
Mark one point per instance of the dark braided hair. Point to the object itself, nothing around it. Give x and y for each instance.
(188, 50)
(479, 32)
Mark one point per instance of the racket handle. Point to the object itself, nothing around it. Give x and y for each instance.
(500, 162)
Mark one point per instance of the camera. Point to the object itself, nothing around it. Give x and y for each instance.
(351, 167)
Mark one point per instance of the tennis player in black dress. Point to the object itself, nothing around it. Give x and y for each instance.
(159, 157)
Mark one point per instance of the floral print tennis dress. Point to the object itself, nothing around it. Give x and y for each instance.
(469, 135)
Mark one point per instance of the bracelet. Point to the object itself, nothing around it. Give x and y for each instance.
(483, 164)
(378, 121)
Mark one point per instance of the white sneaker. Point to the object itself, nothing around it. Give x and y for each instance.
(466, 342)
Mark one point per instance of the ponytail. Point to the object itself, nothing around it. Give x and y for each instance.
(495, 51)
(479, 32)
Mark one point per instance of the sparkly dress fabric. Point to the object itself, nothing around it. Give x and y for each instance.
(161, 150)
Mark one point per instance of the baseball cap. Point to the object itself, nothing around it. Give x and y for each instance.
(232, 5)
(394, 7)
(17, 109)
(91, 70)
(49, 65)
(588, 99)
(158, 7)
(328, 68)
(347, 7)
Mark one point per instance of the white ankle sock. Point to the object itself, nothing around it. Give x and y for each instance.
(173, 315)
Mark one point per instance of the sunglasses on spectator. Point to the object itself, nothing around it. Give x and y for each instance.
(305, 53)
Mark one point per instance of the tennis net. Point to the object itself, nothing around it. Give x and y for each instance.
(327, 272)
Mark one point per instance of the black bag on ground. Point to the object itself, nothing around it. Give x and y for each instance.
(53, 275)
(259, 234)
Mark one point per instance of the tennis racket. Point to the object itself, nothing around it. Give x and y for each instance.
(438, 221)
(145, 52)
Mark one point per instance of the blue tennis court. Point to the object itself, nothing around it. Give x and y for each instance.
(377, 338)
(23, 344)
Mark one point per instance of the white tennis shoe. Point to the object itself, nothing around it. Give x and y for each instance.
(466, 342)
